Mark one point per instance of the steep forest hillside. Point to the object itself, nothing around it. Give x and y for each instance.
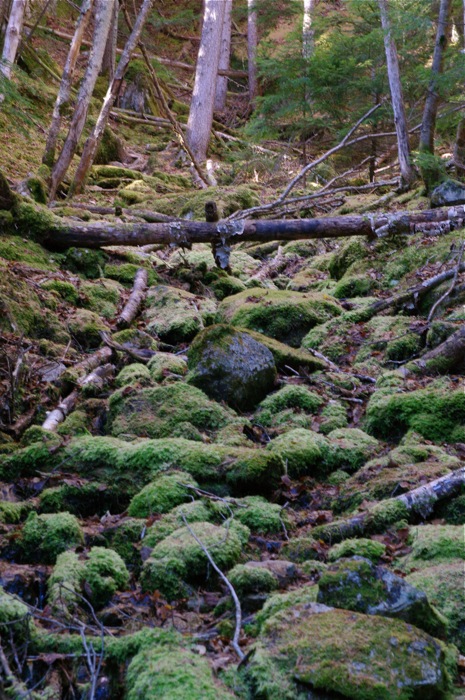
(232, 349)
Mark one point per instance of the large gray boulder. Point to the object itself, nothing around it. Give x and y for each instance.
(358, 584)
(229, 365)
(448, 193)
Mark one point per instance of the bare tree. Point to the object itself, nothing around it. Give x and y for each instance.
(66, 81)
(307, 31)
(432, 100)
(407, 172)
(109, 57)
(12, 36)
(252, 42)
(225, 51)
(91, 145)
(203, 96)
(103, 15)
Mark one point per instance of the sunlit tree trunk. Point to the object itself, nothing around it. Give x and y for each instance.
(252, 42)
(225, 51)
(432, 100)
(66, 81)
(307, 31)
(12, 36)
(407, 172)
(109, 57)
(103, 15)
(91, 145)
(203, 96)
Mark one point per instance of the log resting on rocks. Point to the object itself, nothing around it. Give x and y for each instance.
(135, 300)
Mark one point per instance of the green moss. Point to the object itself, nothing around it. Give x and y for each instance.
(65, 290)
(85, 261)
(64, 584)
(192, 204)
(260, 516)
(351, 251)
(226, 286)
(157, 673)
(338, 651)
(46, 536)
(81, 498)
(135, 338)
(126, 272)
(436, 412)
(354, 286)
(105, 573)
(135, 374)
(26, 461)
(371, 549)
(285, 356)
(102, 297)
(85, 328)
(302, 450)
(161, 495)
(110, 148)
(285, 601)
(155, 412)
(14, 619)
(13, 512)
(17, 249)
(349, 448)
(436, 542)
(77, 423)
(124, 537)
(291, 396)
(179, 558)
(334, 416)
(165, 364)
(453, 510)
(331, 338)
(250, 579)
(176, 316)
(300, 549)
(195, 511)
(283, 315)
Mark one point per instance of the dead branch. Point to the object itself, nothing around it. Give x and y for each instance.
(139, 354)
(451, 288)
(135, 300)
(58, 415)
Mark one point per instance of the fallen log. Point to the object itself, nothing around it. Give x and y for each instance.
(135, 300)
(418, 503)
(446, 357)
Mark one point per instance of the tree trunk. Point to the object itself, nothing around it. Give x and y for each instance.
(201, 111)
(12, 36)
(92, 143)
(103, 15)
(225, 51)
(432, 100)
(459, 147)
(135, 300)
(307, 31)
(109, 56)
(407, 172)
(252, 42)
(66, 81)
(446, 357)
(3, 14)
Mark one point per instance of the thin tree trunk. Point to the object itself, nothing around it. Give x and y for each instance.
(252, 42)
(92, 143)
(135, 300)
(201, 111)
(407, 172)
(225, 51)
(432, 100)
(66, 81)
(3, 14)
(12, 36)
(307, 31)
(109, 57)
(459, 147)
(103, 15)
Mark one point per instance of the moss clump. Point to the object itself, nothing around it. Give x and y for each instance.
(110, 148)
(133, 338)
(176, 316)
(303, 451)
(300, 549)
(193, 512)
(65, 290)
(85, 261)
(192, 204)
(260, 516)
(102, 297)
(334, 416)
(435, 542)
(354, 286)
(14, 618)
(453, 510)
(179, 558)
(77, 423)
(64, 584)
(370, 549)
(105, 573)
(284, 601)
(165, 365)
(338, 651)
(250, 579)
(161, 495)
(283, 315)
(135, 374)
(12, 512)
(81, 499)
(290, 396)
(160, 673)
(353, 250)
(226, 286)
(126, 272)
(17, 249)
(375, 520)
(123, 539)
(349, 448)
(85, 327)
(46, 536)
(155, 412)
(285, 356)
(437, 413)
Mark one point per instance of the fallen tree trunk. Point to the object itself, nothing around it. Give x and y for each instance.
(135, 300)
(445, 357)
(418, 503)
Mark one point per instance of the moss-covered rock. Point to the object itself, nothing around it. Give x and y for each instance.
(354, 286)
(125, 272)
(435, 543)
(14, 618)
(135, 374)
(64, 584)
(85, 261)
(334, 416)
(192, 204)
(179, 559)
(249, 580)
(176, 316)
(229, 365)
(85, 327)
(155, 412)
(124, 537)
(303, 451)
(161, 495)
(300, 549)
(370, 549)
(338, 651)
(260, 516)
(83, 498)
(284, 601)
(358, 584)
(12, 512)
(65, 290)
(104, 573)
(165, 365)
(290, 396)
(193, 512)
(102, 297)
(436, 412)
(351, 251)
(160, 673)
(46, 536)
(283, 315)
(285, 356)
(135, 339)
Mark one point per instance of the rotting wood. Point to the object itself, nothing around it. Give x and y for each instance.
(139, 354)
(445, 357)
(58, 415)
(135, 300)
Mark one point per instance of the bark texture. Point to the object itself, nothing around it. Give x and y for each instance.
(135, 300)
(12, 36)
(201, 111)
(109, 57)
(225, 50)
(252, 42)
